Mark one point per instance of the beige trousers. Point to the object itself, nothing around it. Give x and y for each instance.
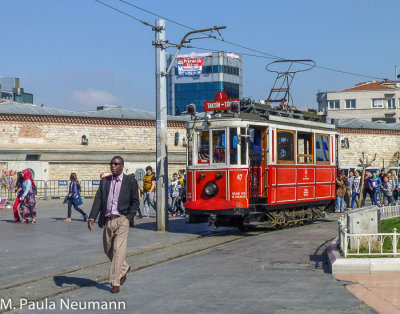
(115, 237)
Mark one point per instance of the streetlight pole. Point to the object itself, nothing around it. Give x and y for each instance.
(161, 127)
(161, 115)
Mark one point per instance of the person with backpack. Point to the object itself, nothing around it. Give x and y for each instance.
(74, 198)
(28, 199)
(388, 192)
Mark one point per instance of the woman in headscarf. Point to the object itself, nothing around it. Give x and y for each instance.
(28, 200)
(18, 191)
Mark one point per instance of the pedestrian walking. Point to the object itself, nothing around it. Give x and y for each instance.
(74, 198)
(395, 182)
(182, 200)
(355, 188)
(140, 216)
(175, 192)
(28, 200)
(149, 186)
(348, 195)
(375, 185)
(19, 193)
(117, 201)
(387, 192)
(341, 186)
(367, 190)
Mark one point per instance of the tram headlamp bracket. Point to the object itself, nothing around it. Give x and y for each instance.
(211, 188)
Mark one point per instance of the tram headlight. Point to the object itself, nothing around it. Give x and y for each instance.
(235, 106)
(211, 188)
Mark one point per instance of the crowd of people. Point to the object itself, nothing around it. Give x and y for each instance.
(25, 202)
(382, 189)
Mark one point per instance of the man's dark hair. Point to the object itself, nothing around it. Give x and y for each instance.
(119, 157)
(149, 168)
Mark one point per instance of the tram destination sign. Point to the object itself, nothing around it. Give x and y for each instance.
(220, 103)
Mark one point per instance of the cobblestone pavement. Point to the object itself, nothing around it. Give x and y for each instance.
(258, 272)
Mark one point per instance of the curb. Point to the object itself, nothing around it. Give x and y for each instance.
(340, 265)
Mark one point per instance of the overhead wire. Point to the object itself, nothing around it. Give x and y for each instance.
(122, 12)
(271, 56)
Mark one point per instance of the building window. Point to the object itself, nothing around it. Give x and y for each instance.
(391, 103)
(285, 147)
(377, 103)
(334, 104)
(350, 104)
(8, 96)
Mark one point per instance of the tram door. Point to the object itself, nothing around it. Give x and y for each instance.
(258, 163)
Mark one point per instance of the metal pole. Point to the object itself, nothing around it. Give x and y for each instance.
(161, 127)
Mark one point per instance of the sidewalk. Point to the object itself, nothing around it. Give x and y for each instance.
(379, 291)
(28, 251)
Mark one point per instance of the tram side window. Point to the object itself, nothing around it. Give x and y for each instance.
(203, 149)
(243, 146)
(322, 148)
(234, 146)
(219, 145)
(255, 148)
(285, 147)
(305, 153)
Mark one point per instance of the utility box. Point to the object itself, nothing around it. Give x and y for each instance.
(365, 220)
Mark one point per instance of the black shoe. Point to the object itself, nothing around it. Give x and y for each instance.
(85, 218)
(140, 217)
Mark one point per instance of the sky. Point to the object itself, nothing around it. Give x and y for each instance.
(78, 54)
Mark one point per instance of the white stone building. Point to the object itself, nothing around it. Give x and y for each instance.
(372, 101)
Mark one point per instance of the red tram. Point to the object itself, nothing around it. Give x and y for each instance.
(259, 166)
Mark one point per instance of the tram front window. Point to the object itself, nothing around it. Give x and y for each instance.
(203, 149)
(234, 146)
(219, 145)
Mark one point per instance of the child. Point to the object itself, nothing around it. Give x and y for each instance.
(388, 192)
(175, 192)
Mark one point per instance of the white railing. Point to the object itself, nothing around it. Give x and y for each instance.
(370, 244)
(387, 212)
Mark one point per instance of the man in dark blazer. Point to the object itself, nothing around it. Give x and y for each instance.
(117, 201)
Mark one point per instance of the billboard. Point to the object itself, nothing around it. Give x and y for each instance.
(190, 66)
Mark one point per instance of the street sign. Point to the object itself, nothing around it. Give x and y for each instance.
(62, 182)
(95, 182)
(221, 102)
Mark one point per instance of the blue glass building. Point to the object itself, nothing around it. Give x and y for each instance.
(221, 72)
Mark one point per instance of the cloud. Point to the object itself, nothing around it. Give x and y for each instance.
(93, 98)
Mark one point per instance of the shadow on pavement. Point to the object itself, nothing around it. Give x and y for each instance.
(61, 219)
(79, 282)
(320, 257)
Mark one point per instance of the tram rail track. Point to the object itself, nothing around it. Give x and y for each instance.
(70, 279)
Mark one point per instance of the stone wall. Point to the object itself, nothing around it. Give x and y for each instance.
(63, 135)
(386, 144)
(55, 144)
